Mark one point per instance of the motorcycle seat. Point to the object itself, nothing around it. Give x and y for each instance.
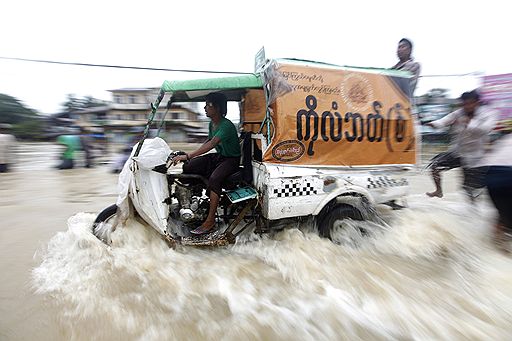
(234, 180)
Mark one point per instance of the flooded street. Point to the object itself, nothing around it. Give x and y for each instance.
(429, 273)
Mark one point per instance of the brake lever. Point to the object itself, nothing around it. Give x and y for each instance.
(168, 163)
(171, 157)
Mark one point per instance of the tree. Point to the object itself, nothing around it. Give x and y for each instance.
(13, 111)
(25, 121)
(91, 102)
(437, 93)
(72, 103)
(29, 129)
(75, 103)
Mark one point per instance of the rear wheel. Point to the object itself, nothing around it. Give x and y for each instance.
(336, 224)
(103, 225)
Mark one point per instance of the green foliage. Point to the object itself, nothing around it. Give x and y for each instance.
(74, 103)
(29, 129)
(437, 93)
(26, 123)
(12, 111)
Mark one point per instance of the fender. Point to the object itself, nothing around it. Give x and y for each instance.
(344, 191)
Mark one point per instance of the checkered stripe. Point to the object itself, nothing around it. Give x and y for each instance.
(384, 181)
(294, 190)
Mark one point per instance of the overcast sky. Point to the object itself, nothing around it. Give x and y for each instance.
(450, 37)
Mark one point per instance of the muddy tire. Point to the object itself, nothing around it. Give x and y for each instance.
(103, 224)
(334, 216)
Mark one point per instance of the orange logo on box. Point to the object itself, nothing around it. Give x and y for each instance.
(357, 92)
(289, 150)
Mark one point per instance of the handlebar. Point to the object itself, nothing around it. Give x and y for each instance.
(164, 167)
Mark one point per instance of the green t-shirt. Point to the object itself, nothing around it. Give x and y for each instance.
(72, 143)
(227, 132)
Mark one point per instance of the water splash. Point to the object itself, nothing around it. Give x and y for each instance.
(429, 272)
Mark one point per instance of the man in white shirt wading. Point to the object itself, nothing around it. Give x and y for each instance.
(470, 126)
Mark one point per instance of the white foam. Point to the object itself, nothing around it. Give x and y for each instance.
(431, 273)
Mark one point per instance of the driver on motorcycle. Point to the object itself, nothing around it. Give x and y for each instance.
(216, 167)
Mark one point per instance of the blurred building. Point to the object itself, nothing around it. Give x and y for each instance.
(184, 122)
(129, 111)
(58, 124)
(432, 106)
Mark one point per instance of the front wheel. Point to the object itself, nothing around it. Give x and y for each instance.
(104, 224)
(336, 224)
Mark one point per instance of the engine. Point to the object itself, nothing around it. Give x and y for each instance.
(192, 206)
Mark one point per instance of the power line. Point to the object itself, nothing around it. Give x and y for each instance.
(475, 73)
(121, 66)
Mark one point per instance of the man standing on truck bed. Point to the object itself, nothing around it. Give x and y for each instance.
(223, 136)
(406, 62)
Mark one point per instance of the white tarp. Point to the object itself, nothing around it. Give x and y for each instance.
(146, 189)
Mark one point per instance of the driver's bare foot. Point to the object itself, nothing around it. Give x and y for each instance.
(438, 194)
(204, 228)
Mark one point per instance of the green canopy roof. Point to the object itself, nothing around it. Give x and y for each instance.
(234, 87)
(195, 89)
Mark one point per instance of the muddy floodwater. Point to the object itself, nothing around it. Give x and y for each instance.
(428, 272)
